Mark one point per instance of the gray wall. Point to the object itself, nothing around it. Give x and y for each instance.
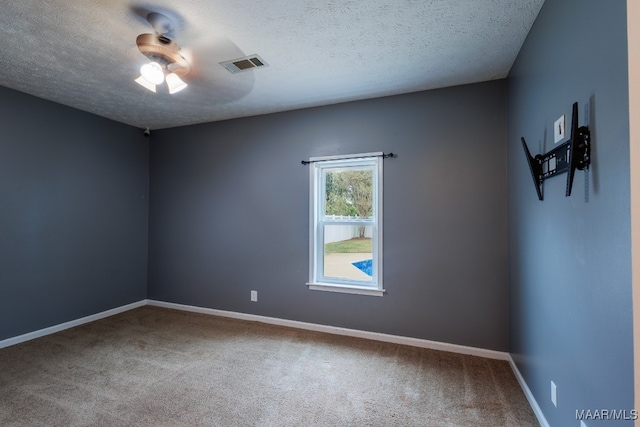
(570, 261)
(229, 208)
(73, 214)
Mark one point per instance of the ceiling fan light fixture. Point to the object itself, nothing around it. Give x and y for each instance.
(174, 83)
(152, 73)
(165, 61)
(144, 83)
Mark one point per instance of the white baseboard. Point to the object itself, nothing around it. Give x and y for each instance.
(527, 392)
(62, 326)
(395, 339)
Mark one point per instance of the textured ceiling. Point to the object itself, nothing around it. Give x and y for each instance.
(82, 53)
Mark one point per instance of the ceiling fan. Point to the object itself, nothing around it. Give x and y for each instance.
(166, 64)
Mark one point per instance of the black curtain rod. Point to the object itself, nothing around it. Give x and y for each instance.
(383, 155)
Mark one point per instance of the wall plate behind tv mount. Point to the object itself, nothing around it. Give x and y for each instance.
(573, 154)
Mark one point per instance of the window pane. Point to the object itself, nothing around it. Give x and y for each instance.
(348, 192)
(348, 252)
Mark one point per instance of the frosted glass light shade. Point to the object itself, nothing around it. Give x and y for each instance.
(144, 83)
(152, 72)
(174, 83)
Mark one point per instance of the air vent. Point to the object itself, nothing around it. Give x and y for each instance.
(244, 64)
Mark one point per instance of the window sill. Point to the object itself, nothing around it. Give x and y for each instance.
(347, 289)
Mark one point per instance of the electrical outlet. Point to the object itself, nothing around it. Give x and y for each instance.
(554, 394)
(254, 296)
(559, 129)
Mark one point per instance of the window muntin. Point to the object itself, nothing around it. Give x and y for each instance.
(346, 224)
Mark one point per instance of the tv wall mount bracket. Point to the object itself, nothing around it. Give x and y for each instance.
(573, 154)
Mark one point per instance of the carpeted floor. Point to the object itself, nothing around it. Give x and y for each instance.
(158, 367)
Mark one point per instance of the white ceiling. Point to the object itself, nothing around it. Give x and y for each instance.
(82, 53)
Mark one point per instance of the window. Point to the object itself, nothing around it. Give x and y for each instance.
(346, 224)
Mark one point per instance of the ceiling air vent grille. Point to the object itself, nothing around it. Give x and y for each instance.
(244, 64)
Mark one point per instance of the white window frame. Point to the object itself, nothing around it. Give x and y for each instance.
(317, 280)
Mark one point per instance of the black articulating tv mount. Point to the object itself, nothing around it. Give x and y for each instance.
(573, 154)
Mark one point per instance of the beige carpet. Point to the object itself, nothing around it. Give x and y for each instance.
(159, 367)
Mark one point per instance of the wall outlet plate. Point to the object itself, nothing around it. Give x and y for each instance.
(559, 129)
(254, 296)
(554, 394)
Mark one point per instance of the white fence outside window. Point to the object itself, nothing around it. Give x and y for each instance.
(338, 233)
